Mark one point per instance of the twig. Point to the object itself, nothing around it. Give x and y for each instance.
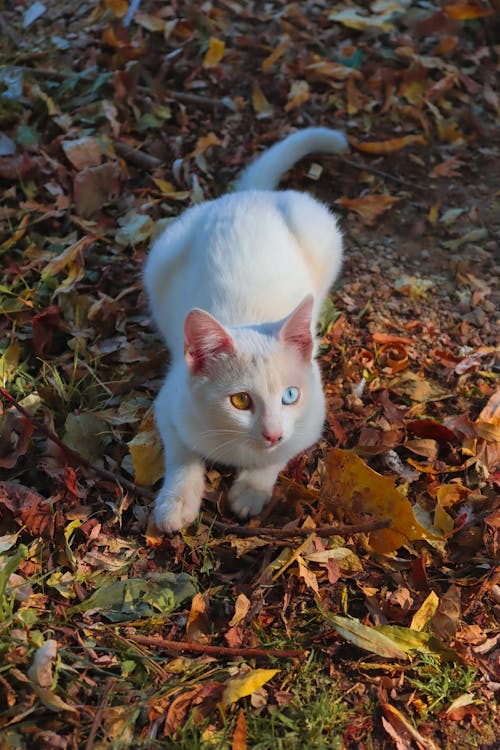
(368, 168)
(202, 648)
(201, 101)
(74, 455)
(9, 31)
(139, 158)
(108, 689)
(322, 531)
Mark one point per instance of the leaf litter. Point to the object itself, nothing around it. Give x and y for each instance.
(228, 635)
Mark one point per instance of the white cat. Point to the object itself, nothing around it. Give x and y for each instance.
(236, 285)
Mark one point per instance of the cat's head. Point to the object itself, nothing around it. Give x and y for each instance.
(250, 386)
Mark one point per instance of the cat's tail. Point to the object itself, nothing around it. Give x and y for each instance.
(266, 170)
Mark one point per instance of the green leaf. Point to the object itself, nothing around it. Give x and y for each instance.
(10, 566)
(135, 598)
(367, 638)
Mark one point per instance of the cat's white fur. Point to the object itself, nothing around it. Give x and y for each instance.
(236, 285)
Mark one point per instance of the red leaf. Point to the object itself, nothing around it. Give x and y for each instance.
(429, 428)
(29, 508)
(44, 325)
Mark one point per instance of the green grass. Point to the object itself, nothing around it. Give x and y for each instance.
(440, 683)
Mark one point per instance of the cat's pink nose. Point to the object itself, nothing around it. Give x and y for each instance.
(272, 437)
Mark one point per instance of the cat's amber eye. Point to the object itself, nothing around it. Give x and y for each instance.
(241, 401)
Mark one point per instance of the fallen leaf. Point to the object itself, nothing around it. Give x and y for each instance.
(9, 362)
(261, 105)
(44, 325)
(246, 684)
(430, 428)
(83, 152)
(364, 637)
(95, 186)
(400, 723)
(298, 94)
(134, 228)
(275, 55)
(84, 433)
(71, 260)
(134, 598)
(418, 388)
(467, 11)
(425, 613)
(205, 142)
(488, 421)
(214, 53)
(370, 206)
(350, 485)
(29, 508)
(147, 453)
(198, 624)
(241, 607)
(356, 18)
(240, 733)
(41, 669)
(389, 146)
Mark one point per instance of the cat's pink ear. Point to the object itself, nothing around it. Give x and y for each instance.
(204, 338)
(296, 330)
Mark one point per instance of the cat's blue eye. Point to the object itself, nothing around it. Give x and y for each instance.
(290, 396)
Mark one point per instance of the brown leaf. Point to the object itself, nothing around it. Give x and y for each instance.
(83, 152)
(370, 206)
(447, 618)
(95, 186)
(15, 432)
(240, 733)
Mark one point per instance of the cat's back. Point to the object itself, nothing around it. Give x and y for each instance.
(248, 257)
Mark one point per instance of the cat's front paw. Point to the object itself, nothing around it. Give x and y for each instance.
(178, 505)
(247, 500)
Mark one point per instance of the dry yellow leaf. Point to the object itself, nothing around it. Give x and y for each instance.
(204, 143)
(298, 94)
(389, 146)
(275, 55)
(72, 259)
(146, 452)
(261, 105)
(117, 7)
(425, 613)
(351, 485)
(246, 684)
(214, 52)
(488, 422)
(9, 362)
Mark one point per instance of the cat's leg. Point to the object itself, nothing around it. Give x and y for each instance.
(178, 502)
(252, 489)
